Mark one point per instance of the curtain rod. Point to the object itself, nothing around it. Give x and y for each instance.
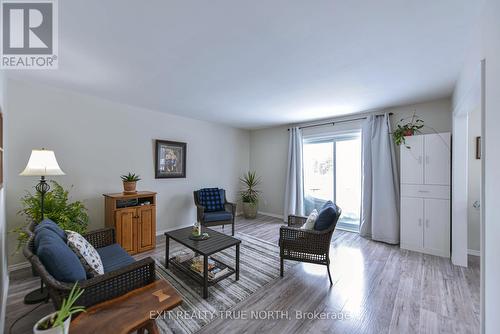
(334, 122)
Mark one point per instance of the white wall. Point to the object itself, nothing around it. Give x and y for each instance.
(268, 155)
(486, 45)
(3, 253)
(491, 52)
(95, 141)
(269, 147)
(459, 209)
(474, 182)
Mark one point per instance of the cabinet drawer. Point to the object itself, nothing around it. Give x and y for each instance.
(425, 191)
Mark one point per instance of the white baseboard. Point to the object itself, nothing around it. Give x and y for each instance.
(18, 266)
(271, 215)
(474, 252)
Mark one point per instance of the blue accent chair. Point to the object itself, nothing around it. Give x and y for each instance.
(215, 218)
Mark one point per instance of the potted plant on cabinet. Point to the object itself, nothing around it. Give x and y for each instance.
(249, 194)
(58, 322)
(130, 183)
(407, 129)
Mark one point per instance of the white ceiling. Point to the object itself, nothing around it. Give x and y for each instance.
(259, 63)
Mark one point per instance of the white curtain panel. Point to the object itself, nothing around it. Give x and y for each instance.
(380, 182)
(294, 191)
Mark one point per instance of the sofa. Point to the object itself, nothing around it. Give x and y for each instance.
(59, 267)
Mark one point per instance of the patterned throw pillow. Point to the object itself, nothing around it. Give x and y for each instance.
(210, 198)
(309, 224)
(87, 254)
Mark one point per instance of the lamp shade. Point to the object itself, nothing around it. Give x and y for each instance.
(42, 163)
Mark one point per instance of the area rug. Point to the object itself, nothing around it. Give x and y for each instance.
(259, 266)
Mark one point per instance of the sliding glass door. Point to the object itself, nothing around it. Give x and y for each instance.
(332, 171)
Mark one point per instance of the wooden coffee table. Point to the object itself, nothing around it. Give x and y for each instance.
(134, 311)
(216, 243)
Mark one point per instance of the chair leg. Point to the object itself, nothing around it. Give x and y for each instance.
(281, 267)
(329, 275)
(232, 226)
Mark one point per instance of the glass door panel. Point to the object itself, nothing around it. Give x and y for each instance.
(318, 174)
(348, 181)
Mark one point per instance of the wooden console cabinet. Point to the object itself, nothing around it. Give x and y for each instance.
(133, 216)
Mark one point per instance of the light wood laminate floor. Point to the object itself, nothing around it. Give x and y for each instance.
(377, 288)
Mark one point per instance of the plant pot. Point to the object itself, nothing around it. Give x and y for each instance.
(56, 330)
(129, 187)
(409, 132)
(249, 210)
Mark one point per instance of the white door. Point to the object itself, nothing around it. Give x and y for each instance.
(412, 222)
(437, 226)
(412, 171)
(437, 158)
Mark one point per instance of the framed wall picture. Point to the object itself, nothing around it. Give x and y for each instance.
(478, 148)
(170, 159)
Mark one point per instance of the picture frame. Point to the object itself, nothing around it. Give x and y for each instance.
(478, 148)
(170, 159)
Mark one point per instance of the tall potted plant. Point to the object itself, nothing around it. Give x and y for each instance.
(130, 183)
(249, 194)
(58, 322)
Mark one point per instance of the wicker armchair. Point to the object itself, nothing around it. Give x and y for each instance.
(227, 217)
(306, 245)
(100, 288)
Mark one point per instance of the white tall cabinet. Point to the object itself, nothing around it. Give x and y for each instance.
(425, 193)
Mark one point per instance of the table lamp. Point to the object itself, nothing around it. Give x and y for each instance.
(41, 163)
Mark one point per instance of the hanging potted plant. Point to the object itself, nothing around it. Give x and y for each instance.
(130, 183)
(249, 194)
(409, 128)
(58, 322)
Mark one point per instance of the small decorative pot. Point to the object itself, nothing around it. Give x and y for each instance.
(409, 133)
(129, 187)
(55, 330)
(249, 210)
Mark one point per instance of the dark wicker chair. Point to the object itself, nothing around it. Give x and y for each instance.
(202, 216)
(306, 245)
(100, 288)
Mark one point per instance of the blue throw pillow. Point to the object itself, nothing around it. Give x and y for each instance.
(210, 198)
(326, 218)
(59, 260)
(327, 204)
(51, 225)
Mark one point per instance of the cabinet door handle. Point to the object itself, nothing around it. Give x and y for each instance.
(419, 221)
(423, 191)
(427, 159)
(427, 222)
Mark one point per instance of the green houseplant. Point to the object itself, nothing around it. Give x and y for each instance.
(407, 128)
(130, 183)
(69, 216)
(58, 322)
(249, 194)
